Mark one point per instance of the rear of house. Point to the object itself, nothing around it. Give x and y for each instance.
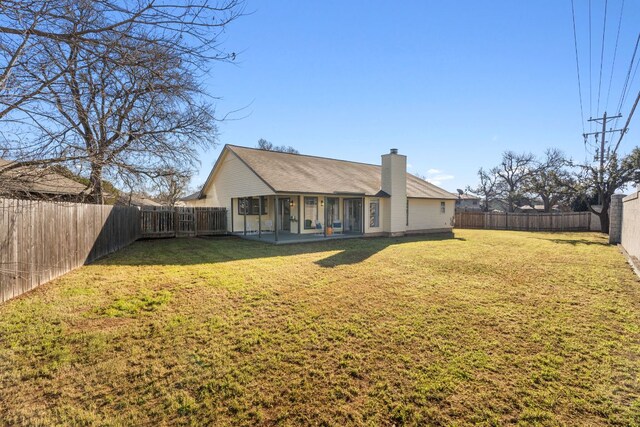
(266, 191)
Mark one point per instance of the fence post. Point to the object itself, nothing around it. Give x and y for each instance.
(195, 222)
(615, 219)
(176, 222)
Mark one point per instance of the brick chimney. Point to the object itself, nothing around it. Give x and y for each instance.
(394, 183)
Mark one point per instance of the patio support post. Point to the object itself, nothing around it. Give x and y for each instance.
(299, 213)
(325, 216)
(259, 217)
(245, 215)
(275, 223)
(363, 216)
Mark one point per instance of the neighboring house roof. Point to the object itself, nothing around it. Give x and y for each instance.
(468, 197)
(192, 196)
(127, 200)
(297, 173)
(537, 207)
(31, 179)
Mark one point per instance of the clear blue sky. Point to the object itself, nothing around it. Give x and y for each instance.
(450, 84)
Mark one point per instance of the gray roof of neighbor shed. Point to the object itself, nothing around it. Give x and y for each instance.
(297, 173)
(37, 180)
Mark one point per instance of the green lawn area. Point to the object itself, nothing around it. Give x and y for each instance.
(489, 328)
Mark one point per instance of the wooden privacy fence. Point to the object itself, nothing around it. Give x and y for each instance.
(565, 221)
(40, 241)
(159, 222)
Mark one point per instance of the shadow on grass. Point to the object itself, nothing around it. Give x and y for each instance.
(212, 250)
(576, 242)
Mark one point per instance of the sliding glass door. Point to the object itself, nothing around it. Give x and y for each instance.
(352, 216)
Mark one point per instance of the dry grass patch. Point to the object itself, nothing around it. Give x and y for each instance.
(490, 328)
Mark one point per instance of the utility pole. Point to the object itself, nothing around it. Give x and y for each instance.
(601, 159)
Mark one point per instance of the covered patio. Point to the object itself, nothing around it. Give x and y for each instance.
(296, 218)
(292, 238)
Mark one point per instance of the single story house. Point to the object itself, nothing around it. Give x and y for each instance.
(268, 191)
(38, 183)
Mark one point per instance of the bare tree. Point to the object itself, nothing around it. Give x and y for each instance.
(108, 86)
(263, 144)
(487, 187)
(172, 185)
(552, 182)
(514, 173)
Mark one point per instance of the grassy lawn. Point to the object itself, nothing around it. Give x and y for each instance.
(489, 328)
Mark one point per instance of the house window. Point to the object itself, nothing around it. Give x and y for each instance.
(333, 210)
(310, 212)
(442, 207)
(407, 212)
(374, 213)
(251, 206)
(475, 202)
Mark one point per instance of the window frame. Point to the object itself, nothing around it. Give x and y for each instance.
(374, 216)
(407, 212)
(443, 207)
(304, 212)
(253, 205)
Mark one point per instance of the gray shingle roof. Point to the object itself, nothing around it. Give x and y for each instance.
(37, 180)
(192, 196)
(297, 173)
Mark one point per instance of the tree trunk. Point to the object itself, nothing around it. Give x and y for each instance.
(604, 216)
(96, 184)
(604, 222)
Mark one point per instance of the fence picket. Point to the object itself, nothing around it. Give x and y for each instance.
(162, 222)
(40, 241)
(565, 221)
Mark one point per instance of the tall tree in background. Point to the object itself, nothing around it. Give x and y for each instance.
(551, 181)
(263, 144)
(487, 188)
(172, 185)
(109, 86)
(606, 180)
(514, 173)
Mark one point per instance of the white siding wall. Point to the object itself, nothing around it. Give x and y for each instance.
(233, 179)
(424, 214)
(631, 224)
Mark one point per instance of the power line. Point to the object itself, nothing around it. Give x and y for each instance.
(615, 52)
(626, 125)
(590, 78)
(633, 78)
(625, 87)
(604, 32)
(575, 44)
(628, 83)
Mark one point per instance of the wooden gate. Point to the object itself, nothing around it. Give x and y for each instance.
(162, 221)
